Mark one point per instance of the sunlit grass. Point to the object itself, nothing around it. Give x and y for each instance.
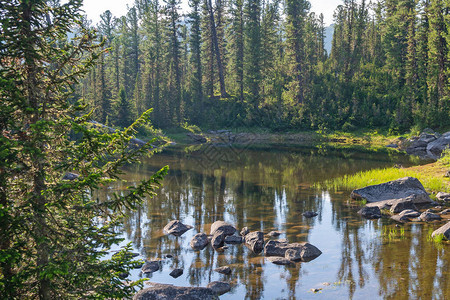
(431, 182)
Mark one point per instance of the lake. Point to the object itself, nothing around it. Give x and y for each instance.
(268, 187)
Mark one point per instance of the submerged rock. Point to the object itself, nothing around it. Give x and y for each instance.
(219, 287)
(226, 228)
(150, 266)
(176, 228)
(255, 241)
(407, 187)
(444, 230)
(199, 241)
(223, 270)
(309, 214)
(370, 212)
(274, 233)
(166, 291)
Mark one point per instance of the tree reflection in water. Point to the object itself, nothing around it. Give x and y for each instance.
(268, 189)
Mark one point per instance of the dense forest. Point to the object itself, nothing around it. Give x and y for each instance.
(241, 63)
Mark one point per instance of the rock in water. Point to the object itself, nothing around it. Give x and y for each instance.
(409, 213)
(445, 230)
(244, 231)
(279, 260)
(176, 273)
(295, 251)
(166, 292)
(176, 228)
(233, 239)
(370, 212)
(255, 241)
(407, 187)
(309, 214)
(429, 216)
(219, 287)
(150, 266)
(443, 196)
(199, 241)
(223, 270)
(274, 233)
(218, 239)
(436, 147)
(403, 204)
(226, 228)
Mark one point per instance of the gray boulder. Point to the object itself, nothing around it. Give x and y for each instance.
(199, 241)
(443, 196)
(255, 241)
(166, 292)
(407, 187)
(429, 216)
(370, 212)
(219, 287)
(150, 266)
(400, 219)
(436, 147)
(295, 251)
(403, 204)
(233, 239)
(226, 228)
(445, 230)
(176, 228)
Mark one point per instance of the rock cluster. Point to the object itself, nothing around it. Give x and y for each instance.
(428, 144)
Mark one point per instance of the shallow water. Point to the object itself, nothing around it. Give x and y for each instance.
(267, 188)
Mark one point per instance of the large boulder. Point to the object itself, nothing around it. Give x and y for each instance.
(176, 228)
(445, 230)
(255, 241)
(389, 192)
(418, 145)
(226, 228)
(199, 241)
(275, 248)
(167, 291)
(436, 147)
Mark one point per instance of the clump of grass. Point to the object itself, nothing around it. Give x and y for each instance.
(392, 233)
(377, 176)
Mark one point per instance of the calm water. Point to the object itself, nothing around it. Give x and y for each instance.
(267, 188)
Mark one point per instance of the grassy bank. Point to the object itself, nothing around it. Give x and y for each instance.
(430, 175)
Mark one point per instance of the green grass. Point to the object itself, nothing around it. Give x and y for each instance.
(377, 176)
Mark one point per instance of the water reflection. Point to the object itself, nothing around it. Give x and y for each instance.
(267, 188)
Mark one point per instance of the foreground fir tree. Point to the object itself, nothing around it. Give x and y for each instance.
(54, 231)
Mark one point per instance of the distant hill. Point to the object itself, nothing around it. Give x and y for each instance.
(329, 38)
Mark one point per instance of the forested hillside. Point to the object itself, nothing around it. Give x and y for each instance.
(234, 63)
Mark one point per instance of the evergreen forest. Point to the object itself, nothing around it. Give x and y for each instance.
(253, 63)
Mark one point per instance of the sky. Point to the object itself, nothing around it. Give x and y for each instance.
(94, 8)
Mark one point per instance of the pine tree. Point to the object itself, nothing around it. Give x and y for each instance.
(52, 242)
